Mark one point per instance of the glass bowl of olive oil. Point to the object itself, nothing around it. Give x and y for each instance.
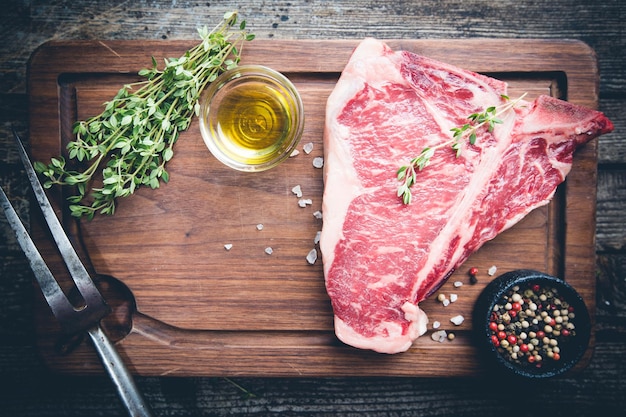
(251, 118)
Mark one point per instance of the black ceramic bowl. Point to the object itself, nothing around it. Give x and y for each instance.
(531, 324)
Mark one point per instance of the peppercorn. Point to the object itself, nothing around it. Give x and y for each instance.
(472, 275)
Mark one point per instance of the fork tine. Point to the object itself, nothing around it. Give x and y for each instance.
(72, 319)
(59, 304)
(75, 266)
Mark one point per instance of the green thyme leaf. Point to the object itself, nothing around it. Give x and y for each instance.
(407, 175)
(132, 139)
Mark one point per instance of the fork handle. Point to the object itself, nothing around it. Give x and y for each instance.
(117, 370)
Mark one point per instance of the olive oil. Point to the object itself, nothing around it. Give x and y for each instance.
(253, 122)
(251, 118)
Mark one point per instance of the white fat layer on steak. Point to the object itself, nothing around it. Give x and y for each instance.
(394, 340)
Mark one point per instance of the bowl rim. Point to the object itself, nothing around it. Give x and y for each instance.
(490, 296)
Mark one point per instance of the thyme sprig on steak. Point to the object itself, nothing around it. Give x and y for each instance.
(407, 174)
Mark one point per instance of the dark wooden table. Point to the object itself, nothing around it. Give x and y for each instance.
(28, 389)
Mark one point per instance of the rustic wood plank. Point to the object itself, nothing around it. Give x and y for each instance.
(611, 147)
(611, 229)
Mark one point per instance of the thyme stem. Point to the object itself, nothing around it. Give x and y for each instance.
(407, 174)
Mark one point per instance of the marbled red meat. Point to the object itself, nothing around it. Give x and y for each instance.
(382, 257)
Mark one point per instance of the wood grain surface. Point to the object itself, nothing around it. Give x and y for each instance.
(29, 389)
(263, 314)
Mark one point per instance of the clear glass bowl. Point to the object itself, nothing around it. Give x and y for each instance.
(251, 118)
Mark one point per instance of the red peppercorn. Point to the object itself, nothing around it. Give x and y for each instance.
(556, 357)
(495, 341)
(516, 306)
(541, 334)
(513, 313)
(472, 275)
(536, 287)
(501, 335)
(523, 347)
(552, 322)
(512, 339)
(493, 326)
(531, 359)
(565, 332)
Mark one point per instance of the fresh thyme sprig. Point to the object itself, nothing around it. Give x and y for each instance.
(133, 138)
(407, 174)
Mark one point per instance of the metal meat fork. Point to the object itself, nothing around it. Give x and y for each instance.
(85, 318)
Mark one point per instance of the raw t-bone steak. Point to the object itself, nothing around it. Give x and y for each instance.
(382, 257)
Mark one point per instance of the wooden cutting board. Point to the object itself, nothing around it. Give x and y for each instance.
(193, 308)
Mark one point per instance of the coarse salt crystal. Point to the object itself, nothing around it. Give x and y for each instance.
(269, 250)
(457, 320)
(439, 336)
(228, 246)
(453, 297)
(436, 324)
(318, 162)
(492, 270)
(303, 202)
(318, 236)
(297, 190)
(317, 214)
(259, 226)
(458, 284)
(311, 257)
(445, 302)
(294, 153)
(308, 148)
